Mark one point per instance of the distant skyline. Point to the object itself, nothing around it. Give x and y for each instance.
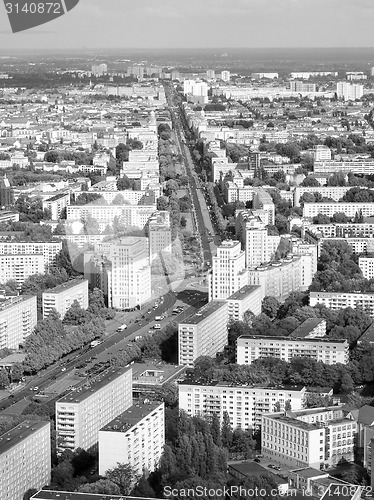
(201, 24)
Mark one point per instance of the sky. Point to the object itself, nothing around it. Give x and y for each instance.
(200, 24)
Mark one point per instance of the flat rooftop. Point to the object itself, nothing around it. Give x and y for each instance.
(294, 422)
(216, 383)
(155, 374)
(289, 339)
(244, 292)
(12, 301)
(66, 286)
(203, 313)
(306, 327)
(309, 472)
(68, 495)
(131, 417)
(93, 386)
(19, 433)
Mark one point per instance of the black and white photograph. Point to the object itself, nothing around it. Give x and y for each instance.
(186, 249)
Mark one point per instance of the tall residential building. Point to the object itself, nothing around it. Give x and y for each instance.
(225, 76)
(321, 153)
(308, 253)
(204, 333)
(244, 405)
(18, 318)
(259, 246)
(349, 91)
(136, 437)
(25, 459)
(127, 272)
(317, 437)
(249, 348)
(229, 273)
(263, 201)
(279, 278)
(99, 69)
(302, 87)
(81, 414)
(19, 267)
(49, 250)
(159, 234)
(56, 204)
(62, 297)
(211, 74)
(247, 299)
(6, 193)
(366, 264)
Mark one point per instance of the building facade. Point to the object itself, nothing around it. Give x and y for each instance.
(18, 318)
(203, 333)
(244, 405)
(62, 297)
(81, 414)
(25, 459)
(136, 437)
(249, 348)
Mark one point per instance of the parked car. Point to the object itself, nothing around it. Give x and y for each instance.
(257, 460)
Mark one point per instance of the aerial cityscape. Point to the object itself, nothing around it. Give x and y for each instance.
(187, 253)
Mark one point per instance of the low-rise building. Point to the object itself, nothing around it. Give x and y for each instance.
(135, 437)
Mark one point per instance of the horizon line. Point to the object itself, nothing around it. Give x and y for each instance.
(83, 48)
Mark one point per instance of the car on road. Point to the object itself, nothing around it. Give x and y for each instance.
(257, 460)
(36, 388)
(157, 326)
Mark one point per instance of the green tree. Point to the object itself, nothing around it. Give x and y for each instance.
(124, 476)
(226, 431)
(270, 306)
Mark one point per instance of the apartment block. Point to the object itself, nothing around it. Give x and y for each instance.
(330, 352)
(49, 250)
(159, 234)
(129, 215)
(62, 297)
(329, 167)
(308, 253)
(263, 201)
(341, 300)
(349, 209)
(248, 298)
(18, 318)
(349, 230)
(56, 204)
(81, 414)
(366, 264)
(124, 271)
(349, 91)
(259, 246)
(19, 267)
(244, 404)
(229, 273)
(321, 153)
(333, 192)
(136, 437)
(204, 333)
(25, 459)
(279, 278)
(318, 437)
